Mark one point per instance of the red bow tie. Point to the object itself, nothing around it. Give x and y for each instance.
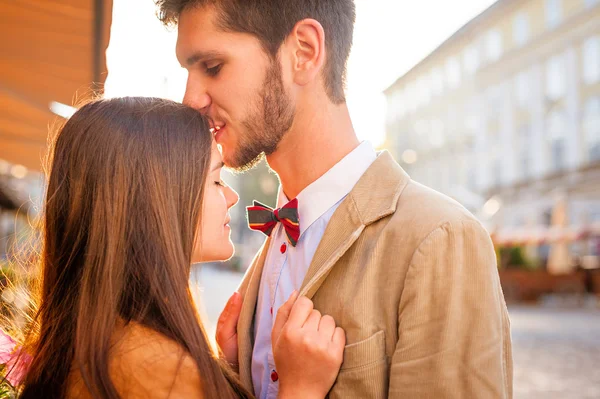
(262, 218)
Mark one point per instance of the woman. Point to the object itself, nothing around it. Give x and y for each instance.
(134, 198)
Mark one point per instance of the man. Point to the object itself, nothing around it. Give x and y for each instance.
(408, 273)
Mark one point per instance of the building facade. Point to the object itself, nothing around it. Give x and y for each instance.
(505, 115)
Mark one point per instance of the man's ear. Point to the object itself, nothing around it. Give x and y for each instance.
(307, 45)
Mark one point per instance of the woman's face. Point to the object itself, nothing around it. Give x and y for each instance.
(213, 242)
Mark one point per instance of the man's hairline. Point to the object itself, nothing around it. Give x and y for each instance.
(220, 26)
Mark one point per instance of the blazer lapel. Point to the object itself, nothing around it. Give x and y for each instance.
(245, 322)
(343, 230)
(375, 196)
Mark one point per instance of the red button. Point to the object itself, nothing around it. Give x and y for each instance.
(274, 376)
(271, 310)
(283, 248)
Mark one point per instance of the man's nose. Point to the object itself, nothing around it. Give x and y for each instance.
(196, 96)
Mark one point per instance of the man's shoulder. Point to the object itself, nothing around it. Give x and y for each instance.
(387, 189)
(421, 210)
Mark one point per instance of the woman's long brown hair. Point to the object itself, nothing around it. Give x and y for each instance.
(123, 204)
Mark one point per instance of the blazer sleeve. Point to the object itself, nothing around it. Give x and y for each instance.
(453, 329)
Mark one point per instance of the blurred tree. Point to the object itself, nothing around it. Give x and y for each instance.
(514, 257)
(260, 184)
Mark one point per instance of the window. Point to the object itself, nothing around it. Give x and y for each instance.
(471, 125)
(496, 170)
(423, 92)
(557, 149)
(437, 82)
(495, 103)
(436, 134)
(591, 127)
(591, 60)
(553, 13)
(471, 115)
(410, 94)
(472, 181)
(453, 73)
(524, 152)
(453, 171)
(521, 29)
(522, 89)
(556, 128)
(556, 79)
(420, 141)
(493, 45)
(435, 175)
(396, 108)
(400, 101)
(494, 146)
(471, 59)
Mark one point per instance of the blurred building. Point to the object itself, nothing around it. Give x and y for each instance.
(504, 116)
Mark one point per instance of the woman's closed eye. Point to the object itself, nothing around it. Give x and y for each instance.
(220, 183)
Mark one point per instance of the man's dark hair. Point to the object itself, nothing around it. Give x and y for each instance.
(271, 21)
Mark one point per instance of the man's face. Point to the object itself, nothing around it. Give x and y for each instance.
(234, 82)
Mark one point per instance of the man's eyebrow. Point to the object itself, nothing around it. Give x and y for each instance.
(199, 56)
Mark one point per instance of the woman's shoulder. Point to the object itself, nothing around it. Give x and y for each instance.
(137, 345)
(154, 365)
(146, 364)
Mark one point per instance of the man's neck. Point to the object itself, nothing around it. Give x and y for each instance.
(317, 141)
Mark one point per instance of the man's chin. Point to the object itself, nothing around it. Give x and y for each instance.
(229, 158)
(239, 164)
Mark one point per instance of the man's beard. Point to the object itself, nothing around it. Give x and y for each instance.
(264, 129)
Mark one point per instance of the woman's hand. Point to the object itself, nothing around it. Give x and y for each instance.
(308, 349)
(226, 334)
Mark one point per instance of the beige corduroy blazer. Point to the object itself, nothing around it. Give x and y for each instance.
(411, 276)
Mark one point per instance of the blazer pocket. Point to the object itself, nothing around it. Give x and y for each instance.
(364, 352)
(364, 372)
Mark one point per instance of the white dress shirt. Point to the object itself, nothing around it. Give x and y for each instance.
(286, 266)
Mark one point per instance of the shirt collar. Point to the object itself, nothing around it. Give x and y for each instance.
(318, 197)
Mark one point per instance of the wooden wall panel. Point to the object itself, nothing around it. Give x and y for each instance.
(49, 51)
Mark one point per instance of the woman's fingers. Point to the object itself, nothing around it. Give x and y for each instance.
(327, 326)
(300, 312)
(283, 315)
(312, 321)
